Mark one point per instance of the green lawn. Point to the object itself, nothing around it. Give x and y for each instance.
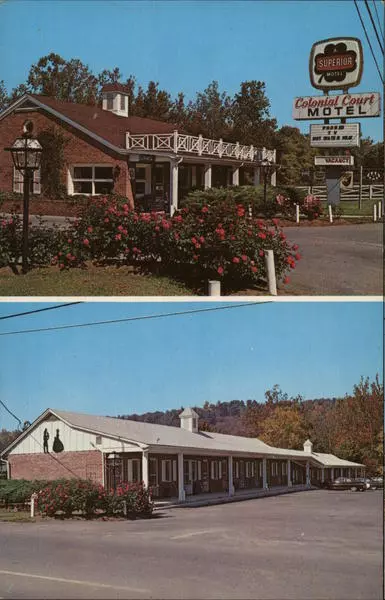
(350, 207)
(20, 517)
(94, 281)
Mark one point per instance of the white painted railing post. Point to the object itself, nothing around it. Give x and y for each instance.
(379, 209)
(297, 213)
(374, 212)
(176, 141)
(330, 213)
(220, 148)
(181, 492)
(370, 192)
(214, 288)
(270, 271)
(200, 144)
(235, 176)
(33, 500)
(174, 173)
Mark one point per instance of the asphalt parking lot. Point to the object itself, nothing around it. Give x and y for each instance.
(314, 544)
(338, 260)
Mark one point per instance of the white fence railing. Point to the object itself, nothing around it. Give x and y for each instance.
(198, 145)
(368, 192)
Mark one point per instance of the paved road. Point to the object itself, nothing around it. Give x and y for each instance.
(311, 545)
(338, 260)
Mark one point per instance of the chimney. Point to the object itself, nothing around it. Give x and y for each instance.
(189, 420)
(308, 447)
(115, 99)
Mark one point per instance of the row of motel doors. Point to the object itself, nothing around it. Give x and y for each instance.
(151, 182)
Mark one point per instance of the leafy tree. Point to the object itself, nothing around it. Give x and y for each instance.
(153, 103)
(4, 100)
(52, 161)
(250, 115)
(7, 437)
(285, 428)
(71, 80)
(294, 154)
(209, 114)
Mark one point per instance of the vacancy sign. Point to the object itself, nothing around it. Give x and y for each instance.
(326, 161)
(329, 136)
(339, 106)
(336, 63)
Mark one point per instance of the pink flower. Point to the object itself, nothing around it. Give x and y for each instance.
(69, 241)
(298, 256)
(202, 239)
(220, 270)
(244, 257)
(90, 229)
(118, 236)
(236, 260)
(205, 209)
(106, 220)
(262, 235)
(194, 240)
(286, 280)
(261, 253)
(254, 269)
(157, 228)
(86, 242)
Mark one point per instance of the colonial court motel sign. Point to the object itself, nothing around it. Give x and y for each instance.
(336, 64)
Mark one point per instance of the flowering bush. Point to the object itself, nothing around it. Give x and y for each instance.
(67, 496)
(210, 240)
(311, 207)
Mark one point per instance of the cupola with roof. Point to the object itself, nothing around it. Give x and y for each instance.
(189, 420)
(115, 99)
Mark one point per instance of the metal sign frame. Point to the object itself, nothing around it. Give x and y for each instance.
(339, 85)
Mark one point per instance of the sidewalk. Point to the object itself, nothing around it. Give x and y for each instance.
(223, 497)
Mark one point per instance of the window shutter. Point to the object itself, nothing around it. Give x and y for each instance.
(36, 182)
(199, 470)
(163, 470)
(212, 470)
(18, 180)
(174, 477)
(220, 470)
(129, 469)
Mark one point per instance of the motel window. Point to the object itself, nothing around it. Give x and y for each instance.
(167, 470)
(249, 469)
(153, 471)
(260, 469)
(274, 469)
(216, 469)
(236, 469)
(92, 179)
(142, 180)
(34, 182)
(284, 469)
(110, 101)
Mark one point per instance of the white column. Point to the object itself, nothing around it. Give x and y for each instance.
(231, 483)
(173, 187)
(273, 179)
(181, 493)
(208, 176)
(289, 482)
(145, 468)
(235, 179)
(307, 473)
(257, 176)
(332, 474)
(322, 475)
(264, 473)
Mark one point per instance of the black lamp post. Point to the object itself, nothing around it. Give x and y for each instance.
(114, 459)
(26, 155)
(267, 170)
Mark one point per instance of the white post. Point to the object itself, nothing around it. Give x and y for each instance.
(200, 144)
(176, 141)
(214, 288)
(297, 213)
(370, 192)
(145, 468)
(273, 179)
(264, 474)
(235, 180)
(330, 213)
(208, 176)
(231, 483)
(374, 212)
(322, 474)
(257, 176)
(174, 187)
(289, 481)
(181, 492)
(33, 498)
(332, 473)
(270, 271)
(307, 473)
(379, 209)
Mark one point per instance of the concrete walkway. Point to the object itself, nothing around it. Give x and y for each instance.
(210, 499)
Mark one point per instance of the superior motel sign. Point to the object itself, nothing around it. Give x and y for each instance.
(340, 136)
(338, 106)
(336, 63)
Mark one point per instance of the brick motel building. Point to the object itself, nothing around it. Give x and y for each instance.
(148, 161)
(176, 462)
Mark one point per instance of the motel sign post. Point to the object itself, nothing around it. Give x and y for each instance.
(336, 64)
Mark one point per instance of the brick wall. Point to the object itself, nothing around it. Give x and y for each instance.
(79, 149)
(85, 464)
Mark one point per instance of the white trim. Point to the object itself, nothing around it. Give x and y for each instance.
(93, 180)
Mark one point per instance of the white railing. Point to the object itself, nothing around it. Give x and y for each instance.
(368, 192)
(198, 145)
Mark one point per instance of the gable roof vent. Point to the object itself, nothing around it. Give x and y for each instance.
(189, 420)
(115, 99)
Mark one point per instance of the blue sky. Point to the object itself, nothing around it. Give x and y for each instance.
(186, 45)
(316, 349)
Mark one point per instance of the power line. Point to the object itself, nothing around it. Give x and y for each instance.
(31, 312)
(374, 26)
(129, 319)
(378, 19)
(11, 413)
(368, 40)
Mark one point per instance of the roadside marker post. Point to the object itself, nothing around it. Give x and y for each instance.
(374, 213)
(330, 213)
(297, 213)
(214, 288)
(270, 270)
